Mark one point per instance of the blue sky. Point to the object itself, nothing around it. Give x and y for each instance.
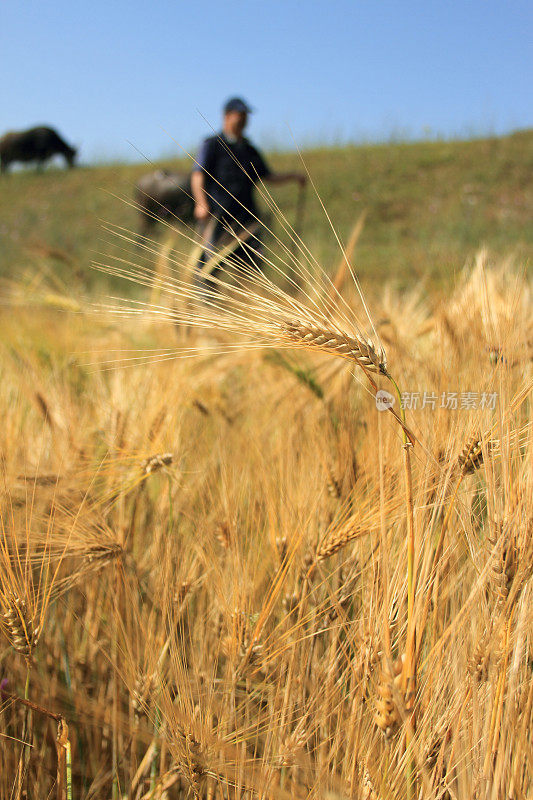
(110, 73)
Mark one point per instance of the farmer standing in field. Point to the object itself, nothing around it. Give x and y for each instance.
(223, 180)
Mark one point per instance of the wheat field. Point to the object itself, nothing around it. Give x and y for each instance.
(225, 573)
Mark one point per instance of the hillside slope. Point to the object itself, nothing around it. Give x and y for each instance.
(429, 205)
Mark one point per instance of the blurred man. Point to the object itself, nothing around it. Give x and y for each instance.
(223, 180)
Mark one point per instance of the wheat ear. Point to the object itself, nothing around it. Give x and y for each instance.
(18, 627)
(337, 343)
(338, 538)
(471, 456)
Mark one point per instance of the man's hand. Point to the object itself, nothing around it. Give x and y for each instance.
(201, 212)
(201, 205)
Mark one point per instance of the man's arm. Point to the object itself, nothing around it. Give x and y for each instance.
(204, 166)
(201, 203)
(280, 178)
(264, 172)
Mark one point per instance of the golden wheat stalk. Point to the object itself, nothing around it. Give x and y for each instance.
(156, 462)
(18, 626)
(471, 456)
(339, 538)
(387, 715)
(336, 343)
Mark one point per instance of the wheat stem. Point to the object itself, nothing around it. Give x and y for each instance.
(27, 728)
(69, 770)
(410, 652)
(436, 558)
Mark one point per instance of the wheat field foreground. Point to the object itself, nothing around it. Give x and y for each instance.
(232, 576)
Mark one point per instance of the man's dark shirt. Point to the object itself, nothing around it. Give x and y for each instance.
(231, 168)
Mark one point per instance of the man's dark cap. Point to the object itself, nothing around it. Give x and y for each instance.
(237, 104)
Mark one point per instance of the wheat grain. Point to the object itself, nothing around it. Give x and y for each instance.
(157, 462)
(139, 695)
(333, 484)
(479, 661)
(471, 457)
(504, 562)
(282, 547)
(223, 535)
(18, 627)
(387, 716)
(338, 538)
(337, 343)
(367, 786)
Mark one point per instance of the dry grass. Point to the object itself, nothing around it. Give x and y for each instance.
(214, 619)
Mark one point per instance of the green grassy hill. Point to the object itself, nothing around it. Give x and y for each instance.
(429, 206)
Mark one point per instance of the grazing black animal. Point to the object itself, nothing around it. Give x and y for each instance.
(163, 195)
(37, 144)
